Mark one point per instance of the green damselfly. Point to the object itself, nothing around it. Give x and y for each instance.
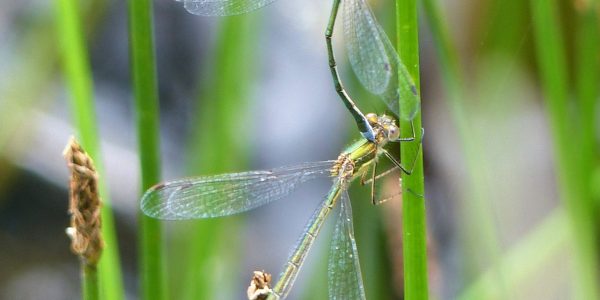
(227, 194)
(371, 54)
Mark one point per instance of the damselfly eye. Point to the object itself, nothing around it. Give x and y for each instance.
(393, 132)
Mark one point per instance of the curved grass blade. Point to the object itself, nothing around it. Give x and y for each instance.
(227, 194)
(345, 280)
(223, 7)
(375, 61)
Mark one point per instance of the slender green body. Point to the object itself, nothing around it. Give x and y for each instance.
(288, 276)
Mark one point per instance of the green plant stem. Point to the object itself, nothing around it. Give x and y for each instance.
(587, 91)
(553, 69)
(90, 282)
(147, 120)
(587, 67)
(413, 190)
(79, 79)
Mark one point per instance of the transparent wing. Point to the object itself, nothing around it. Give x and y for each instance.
(222, 7)
(375, 61)
(226, 194)
(313, 226)
(345, 280)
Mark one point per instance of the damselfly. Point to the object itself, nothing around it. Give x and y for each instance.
(227, 194)
(370, 52)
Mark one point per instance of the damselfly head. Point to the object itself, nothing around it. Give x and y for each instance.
(384, 126)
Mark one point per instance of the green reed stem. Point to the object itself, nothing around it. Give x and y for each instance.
(147, 119)
(587, 89)
(413, 188)
(90, 289)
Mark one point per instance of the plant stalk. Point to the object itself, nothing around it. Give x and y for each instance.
(413, 189)
(143, 68)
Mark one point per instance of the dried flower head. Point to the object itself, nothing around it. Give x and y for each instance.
(84, 205)
(259, 286)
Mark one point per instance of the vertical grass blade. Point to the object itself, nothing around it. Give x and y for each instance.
(587, 66)
(587, 91)
(79, 79)
(552, 64)
(413, 189)
(143, 70)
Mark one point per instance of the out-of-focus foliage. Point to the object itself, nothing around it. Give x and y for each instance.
(509, 95)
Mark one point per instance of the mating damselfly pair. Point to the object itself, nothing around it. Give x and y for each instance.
(380, 70)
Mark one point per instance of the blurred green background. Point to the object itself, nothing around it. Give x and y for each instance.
(509, 95)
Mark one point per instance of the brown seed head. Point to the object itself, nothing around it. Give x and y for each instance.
(84, 205)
